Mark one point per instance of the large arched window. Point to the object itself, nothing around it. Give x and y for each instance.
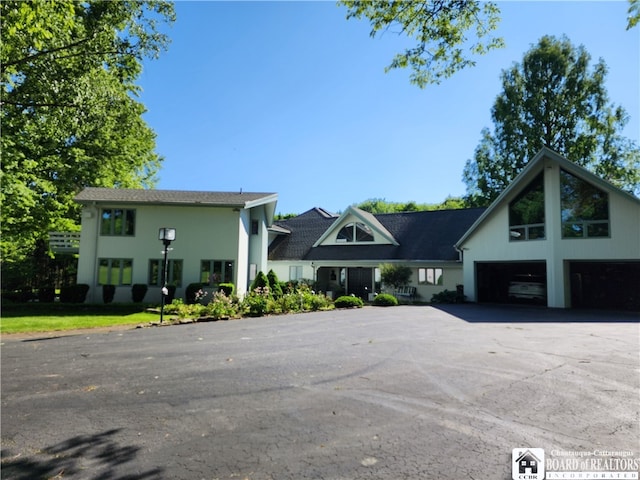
(355, 232)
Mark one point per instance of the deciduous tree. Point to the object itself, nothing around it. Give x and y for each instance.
(554, 99)
(447, 33)
(70, 117)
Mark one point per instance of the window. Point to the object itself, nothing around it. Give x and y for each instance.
(295, 272)
(255, 227)
(115, 271)
(526, 212)
(584, 208)
(355, 232)
(174, 272)
(430, 276)
(214, 272)
(116, 221)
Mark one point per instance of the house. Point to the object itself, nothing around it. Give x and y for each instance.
(220, 237)
(528, 463)
(558, 234)
(561, 223)
(342, 253)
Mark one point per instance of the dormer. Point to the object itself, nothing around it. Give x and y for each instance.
(356, 227)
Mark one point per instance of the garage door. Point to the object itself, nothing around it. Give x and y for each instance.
(493, 280)
(610, 285)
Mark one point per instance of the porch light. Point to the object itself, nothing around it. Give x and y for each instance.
(166, 235)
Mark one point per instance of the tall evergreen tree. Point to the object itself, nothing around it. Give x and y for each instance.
(554, 99)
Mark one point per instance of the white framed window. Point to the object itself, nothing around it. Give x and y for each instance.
(174, 272)
(214, 272)
(354, 232)
(295, 272)
(118, 222)
(115, 271)
(430, 276)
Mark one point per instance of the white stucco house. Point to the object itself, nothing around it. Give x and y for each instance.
(563, 224)
(342, 253)
(577, 234)
(221, 237)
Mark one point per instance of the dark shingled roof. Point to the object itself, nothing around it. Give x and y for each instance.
(170, 197)
(422, 236)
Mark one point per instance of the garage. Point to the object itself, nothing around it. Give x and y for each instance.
(493, 280)
(606, 284)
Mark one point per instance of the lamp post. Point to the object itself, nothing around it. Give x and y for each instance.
(166, 235)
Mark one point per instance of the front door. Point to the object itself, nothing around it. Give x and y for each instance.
(360, 282)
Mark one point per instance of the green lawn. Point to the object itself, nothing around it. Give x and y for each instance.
(25, 318)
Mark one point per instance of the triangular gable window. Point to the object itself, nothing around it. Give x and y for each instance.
(584, 208)
(526, 212)
(354, 232)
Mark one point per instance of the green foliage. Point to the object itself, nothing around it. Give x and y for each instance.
(228, 288)
(385, 300)
(222, 306)
(108, 292)
(380, 205)
(395, 275)
(633, 14)
(347, 301)
(443, 32)
(552, 99)
(69, 116)
(274, 284)
(74, 293)
(256, 302)
(447, 296)
(138, 291)
(260, 281)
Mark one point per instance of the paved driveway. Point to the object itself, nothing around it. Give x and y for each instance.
(376, 393)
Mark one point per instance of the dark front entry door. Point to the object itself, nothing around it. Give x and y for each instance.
(359, 282)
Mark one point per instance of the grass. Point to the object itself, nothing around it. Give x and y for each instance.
(25, 318)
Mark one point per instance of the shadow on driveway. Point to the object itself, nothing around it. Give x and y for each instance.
(489, 313)
(72, 457)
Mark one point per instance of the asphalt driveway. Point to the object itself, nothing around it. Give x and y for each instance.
(375, 393)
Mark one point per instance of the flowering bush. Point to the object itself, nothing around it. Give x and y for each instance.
(222, 306)
(255, 303)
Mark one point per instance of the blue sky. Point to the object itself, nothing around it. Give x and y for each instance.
(290, 97)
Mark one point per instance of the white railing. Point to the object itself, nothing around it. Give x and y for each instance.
(64, 242)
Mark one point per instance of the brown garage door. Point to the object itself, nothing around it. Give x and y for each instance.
(610, 285)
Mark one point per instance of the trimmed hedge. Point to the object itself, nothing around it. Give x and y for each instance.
(348, 301)
(108, 292)
(385, 300)
(138, 292)
(74, 293)
(228, 288)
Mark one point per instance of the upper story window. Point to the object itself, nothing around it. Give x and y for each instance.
(118, 221)
(526, 212)
(584, 208)
(355, 232)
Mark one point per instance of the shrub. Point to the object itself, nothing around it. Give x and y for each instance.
(222, 306)
(138, 292)
(260, 281)
(274, 284)
(385, 300)
(193, 292)
(108, 292)
(448, 296)
(256, 302)
(228, 289)
(395, 275)
(182, 310)
(347, 301)
(74, 293)
(46, 294)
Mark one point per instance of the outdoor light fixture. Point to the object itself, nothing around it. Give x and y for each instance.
(166, 235)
